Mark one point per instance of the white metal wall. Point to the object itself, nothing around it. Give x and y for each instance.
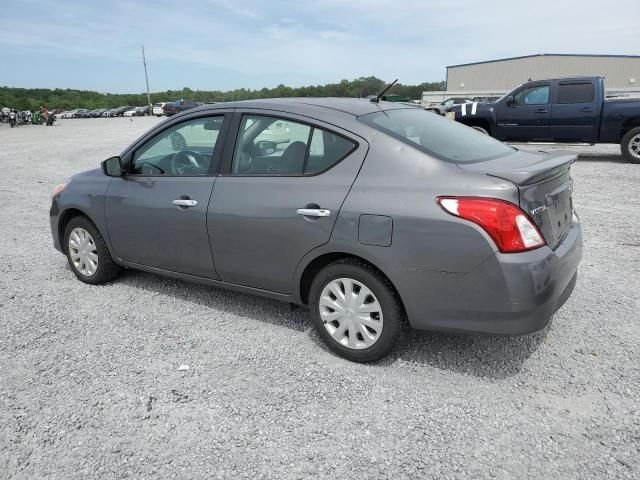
(619, 72)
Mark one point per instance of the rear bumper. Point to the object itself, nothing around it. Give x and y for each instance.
(510, 294)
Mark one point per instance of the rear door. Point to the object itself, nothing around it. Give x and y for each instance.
(527, 116)
(575, 111)
(278, 198)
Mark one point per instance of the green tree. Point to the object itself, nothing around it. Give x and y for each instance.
(33, 98)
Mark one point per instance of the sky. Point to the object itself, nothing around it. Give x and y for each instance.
(228, 44)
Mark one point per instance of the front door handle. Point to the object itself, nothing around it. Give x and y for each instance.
(313, 212)
(542, 110)
(586, 109)
(181, 202)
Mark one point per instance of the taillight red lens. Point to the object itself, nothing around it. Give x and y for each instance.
(507, 224)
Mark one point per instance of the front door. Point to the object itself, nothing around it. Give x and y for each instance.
(526, 115)
(279, 198)
(156, 214)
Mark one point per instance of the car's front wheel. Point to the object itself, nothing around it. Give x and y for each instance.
(87, 252)
(355, 311)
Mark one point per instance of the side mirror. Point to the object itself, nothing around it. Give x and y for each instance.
(112, 167)
(266, 148)
(510, 100)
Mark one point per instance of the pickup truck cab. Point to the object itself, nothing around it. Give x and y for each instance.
(562, 110)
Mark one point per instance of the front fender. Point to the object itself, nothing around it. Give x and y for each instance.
(468, 113)
(85, 194)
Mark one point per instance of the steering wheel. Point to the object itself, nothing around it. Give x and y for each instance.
(185, 162)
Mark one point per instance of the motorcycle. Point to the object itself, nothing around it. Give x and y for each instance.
(50, 119)
(13, 118)
(37, 118)
(24, 117)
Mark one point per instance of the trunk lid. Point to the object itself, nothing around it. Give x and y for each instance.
(544, 184)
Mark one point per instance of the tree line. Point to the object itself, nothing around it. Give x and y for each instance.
(33, 98)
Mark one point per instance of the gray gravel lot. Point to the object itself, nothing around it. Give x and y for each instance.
(90, 385)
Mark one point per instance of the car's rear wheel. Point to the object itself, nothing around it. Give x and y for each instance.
(355, 311)
(630, 145)
(87, 252)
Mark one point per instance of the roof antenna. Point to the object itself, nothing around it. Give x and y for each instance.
(377, 99)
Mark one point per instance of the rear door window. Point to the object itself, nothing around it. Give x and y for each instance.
(268, 145)
(575, 93)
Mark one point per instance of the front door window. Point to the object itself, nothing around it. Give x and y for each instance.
(185, 149)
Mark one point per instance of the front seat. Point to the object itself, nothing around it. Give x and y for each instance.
(292, 159)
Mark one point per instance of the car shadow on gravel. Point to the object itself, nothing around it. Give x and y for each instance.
(478, 355)
(489, 356)
(245, 305)
(601, 157)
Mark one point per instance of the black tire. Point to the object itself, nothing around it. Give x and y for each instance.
(626, 144)
(107, 269)
(392, 311)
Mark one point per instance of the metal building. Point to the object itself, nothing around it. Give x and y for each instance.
(621, 72)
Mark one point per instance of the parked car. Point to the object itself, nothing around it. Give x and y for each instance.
(80, 113)
(373, 213)
(69, 113)
(130, 113)
(110, 112)
(141, 111)
(157, 109)
(171, 108)
(119, 111)
(98, 112)
(562, 110)
(442, 107)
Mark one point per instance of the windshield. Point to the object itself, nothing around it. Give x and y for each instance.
(440, 137)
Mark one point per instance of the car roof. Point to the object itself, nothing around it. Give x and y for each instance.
(305, 105)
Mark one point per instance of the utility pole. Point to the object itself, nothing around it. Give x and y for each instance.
(146, 78)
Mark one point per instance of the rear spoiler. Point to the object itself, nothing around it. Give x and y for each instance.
(526, 168)
(550, 166)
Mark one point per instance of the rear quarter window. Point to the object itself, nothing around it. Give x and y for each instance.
(437, 136)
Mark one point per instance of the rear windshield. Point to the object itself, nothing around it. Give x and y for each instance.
(438, 136)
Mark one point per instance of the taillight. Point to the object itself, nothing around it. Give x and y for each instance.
(507, 224)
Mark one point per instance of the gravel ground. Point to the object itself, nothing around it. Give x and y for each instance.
(91, 384)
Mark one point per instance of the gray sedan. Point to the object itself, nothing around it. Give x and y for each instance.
(371, 214)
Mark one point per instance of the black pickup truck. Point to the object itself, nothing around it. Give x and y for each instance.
(562, 110)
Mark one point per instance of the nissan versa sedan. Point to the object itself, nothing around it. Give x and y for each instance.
(371, 214)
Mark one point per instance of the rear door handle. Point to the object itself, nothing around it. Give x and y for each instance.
(586, 109)
(181, 202)
(542, 110)
(313, 212)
